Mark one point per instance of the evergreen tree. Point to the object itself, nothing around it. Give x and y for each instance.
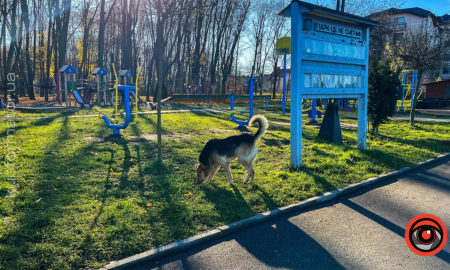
(384, 83)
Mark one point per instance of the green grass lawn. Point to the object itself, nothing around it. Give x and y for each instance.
(79, 201)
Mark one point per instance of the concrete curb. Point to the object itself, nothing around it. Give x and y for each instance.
(159, 252)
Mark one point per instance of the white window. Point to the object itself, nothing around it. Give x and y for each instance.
(400, 21)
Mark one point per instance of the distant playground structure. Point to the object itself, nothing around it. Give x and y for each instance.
(83, 92)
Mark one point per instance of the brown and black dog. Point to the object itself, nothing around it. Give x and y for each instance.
(220, 152)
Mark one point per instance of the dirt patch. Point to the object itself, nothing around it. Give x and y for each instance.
(436, 112)
(154, 137)
(222, 131)
(343, 125)
(347, 125)
(93, 139)
(280, 123)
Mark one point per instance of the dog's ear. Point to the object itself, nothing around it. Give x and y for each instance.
(201, 166)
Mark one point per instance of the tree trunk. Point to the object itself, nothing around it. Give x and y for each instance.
(101, 35)
(84, 61)
(149, 78)
(65, 17)
(126, 35)
(30, 71)
(35, 38)
(160, 68)
(274, 88)
(3, 46)
(197, 52)
(12, 47)
(49, 55)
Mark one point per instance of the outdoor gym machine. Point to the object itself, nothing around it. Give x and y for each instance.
(283, 46)
(126, 89)
(248, 82)
(408, 87)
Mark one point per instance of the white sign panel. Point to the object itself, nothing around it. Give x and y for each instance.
(337, 30)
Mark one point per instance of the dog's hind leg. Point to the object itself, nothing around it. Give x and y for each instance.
(251, 172)
(246, 165)
(252, 177)
(228, 171)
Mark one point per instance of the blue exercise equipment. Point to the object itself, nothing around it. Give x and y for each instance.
(408, 87)
(116, 127)
(314, 112)
(413, 87)
(127, 91)
(284, 83)
(248, 82)
(283, 47)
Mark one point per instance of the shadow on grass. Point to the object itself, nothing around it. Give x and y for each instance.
(268, 201)
(62, 179)
(434, 145)
(169, 217)
(384, 159)
(39, 122)
(148, 118)
(218, 115)
(230, 204)
(321, 181)
(120, 141)
(41, 202)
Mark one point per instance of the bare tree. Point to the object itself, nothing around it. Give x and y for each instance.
(264, 34)
(421, 49)
(87, 20)
(104, 18)
(232, 35)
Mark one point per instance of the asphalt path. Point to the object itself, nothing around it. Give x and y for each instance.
(364, 230)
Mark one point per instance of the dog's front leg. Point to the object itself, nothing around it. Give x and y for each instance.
(228, 171)
(216, 168)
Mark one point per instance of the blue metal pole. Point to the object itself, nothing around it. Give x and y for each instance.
(232, 102)
(297, 84)
(413, 87)
(404, 84)
(313, 111)
(284, 85)
(396, 93)
(251, 101)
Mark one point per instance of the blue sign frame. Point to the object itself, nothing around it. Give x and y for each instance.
(330, 59)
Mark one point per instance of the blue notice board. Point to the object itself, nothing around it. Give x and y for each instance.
(330, 58)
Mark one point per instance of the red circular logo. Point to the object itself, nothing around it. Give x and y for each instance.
(426, 235)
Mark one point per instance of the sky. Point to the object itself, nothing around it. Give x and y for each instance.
(438, 7)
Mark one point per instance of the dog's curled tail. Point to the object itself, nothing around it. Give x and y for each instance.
(262, 123)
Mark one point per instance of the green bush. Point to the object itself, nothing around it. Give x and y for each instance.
(384, 83)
